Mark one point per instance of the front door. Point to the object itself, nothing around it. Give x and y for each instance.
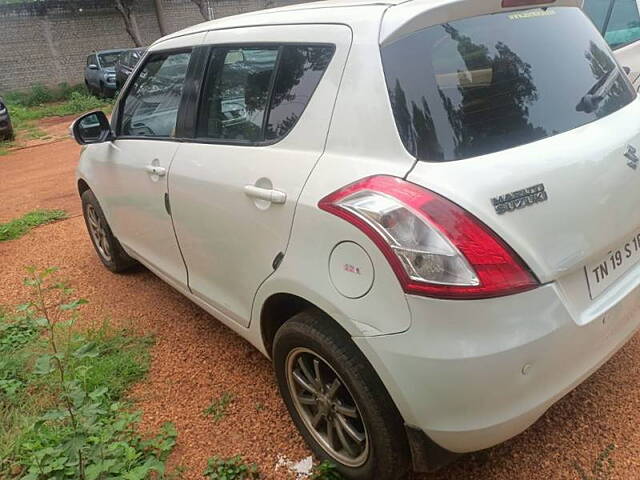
(136, 165)
(264, 117)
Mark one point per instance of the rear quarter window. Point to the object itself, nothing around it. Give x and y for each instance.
(486, 84)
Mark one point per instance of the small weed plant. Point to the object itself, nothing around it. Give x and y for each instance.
(218, 407)
(60, 394)
(18, 227)
(233, 468)
(602, 466)
(325, 471)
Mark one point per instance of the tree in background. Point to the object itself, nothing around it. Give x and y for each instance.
(162, 24)
(125, 7)
(203, 6)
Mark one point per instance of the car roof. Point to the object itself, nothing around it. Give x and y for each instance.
(324, 11)
(401, 17)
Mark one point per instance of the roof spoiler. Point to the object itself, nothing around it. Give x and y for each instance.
(408, 17)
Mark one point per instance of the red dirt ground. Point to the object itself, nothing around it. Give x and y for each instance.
(196, 358)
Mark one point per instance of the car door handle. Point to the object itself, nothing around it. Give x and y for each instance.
(273, 196)
(156, 170)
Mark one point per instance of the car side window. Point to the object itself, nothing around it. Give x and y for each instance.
(624, 26)
(299, 72)
(598, 10)
(91, 60)
(237, 92)
(150, 108)
(257, 94)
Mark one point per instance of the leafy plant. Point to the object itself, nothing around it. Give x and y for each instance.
(233, 468)
(602, 466)
(325, 471)
(218, 407)
(17, 332)
(83, 433)
(18, 227)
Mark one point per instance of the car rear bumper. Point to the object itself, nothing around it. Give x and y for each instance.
(472, 374)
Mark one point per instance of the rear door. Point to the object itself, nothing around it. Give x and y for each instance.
(537, 136)
(267, 100)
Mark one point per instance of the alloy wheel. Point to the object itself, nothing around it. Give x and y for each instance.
(98, 232)
(327, 407)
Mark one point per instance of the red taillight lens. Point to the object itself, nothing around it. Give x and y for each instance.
(524, 3)
(435, 248)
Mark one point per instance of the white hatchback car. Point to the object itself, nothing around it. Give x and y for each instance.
(424, 212)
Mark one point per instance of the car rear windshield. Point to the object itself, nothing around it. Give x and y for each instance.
(486, 84)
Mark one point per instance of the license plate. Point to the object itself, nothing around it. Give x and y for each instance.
(601, 274)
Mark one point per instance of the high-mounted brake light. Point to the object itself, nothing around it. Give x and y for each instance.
(524, 3)
(435, 247)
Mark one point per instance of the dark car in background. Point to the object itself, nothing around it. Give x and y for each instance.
(100, 72)
(6, 129)
(126, 63)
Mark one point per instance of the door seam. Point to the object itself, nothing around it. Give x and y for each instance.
(173, 225)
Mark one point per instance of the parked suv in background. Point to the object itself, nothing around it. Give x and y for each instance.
(126, 63)
(100, 72)
(425, 213)
(619, 23)
(6, 129)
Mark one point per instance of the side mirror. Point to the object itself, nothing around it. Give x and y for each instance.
(92, 127)
(93, 66)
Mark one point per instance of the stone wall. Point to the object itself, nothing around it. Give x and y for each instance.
(47, 42)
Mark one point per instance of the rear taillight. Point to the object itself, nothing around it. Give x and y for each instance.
(435, 248)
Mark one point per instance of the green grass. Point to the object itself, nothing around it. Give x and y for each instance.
(25, 118)
(17, 227)
(28, 107)
(40, 94)
(5, 146)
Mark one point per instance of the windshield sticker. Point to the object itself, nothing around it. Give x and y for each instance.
(532, 14)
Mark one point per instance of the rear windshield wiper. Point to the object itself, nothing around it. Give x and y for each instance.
(591, 100)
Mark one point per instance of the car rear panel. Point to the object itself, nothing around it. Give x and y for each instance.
(591, 206)
(537, 136)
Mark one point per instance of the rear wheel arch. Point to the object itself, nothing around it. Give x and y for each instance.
(276, 311)
(280, 308)
(82, 186)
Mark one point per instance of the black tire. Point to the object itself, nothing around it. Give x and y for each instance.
(106, 244)
(388, 454)
(90, 89)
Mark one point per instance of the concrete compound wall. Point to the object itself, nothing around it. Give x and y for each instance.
(49, 44)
